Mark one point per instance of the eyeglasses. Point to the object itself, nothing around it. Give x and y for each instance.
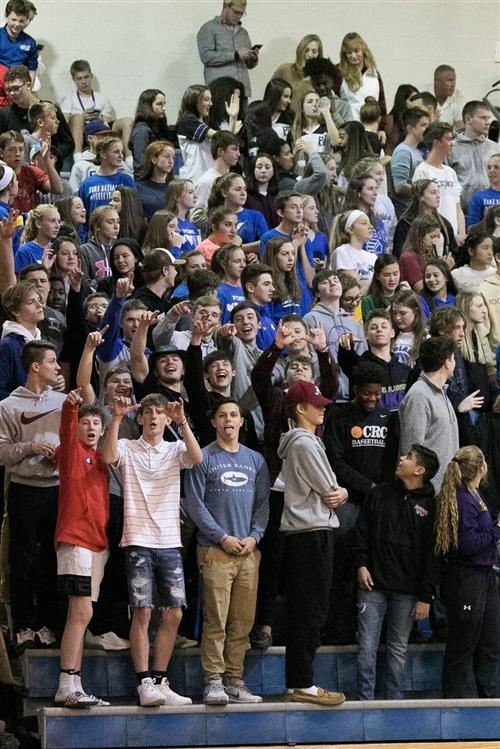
(352, 300)
(98, 305)
(14, 89)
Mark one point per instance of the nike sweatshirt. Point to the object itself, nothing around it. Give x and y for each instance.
(27, 417)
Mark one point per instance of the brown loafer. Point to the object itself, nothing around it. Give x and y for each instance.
(332, 699)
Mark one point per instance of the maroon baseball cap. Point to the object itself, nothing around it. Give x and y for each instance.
(306, 392)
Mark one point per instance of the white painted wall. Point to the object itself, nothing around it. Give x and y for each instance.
(137, 44)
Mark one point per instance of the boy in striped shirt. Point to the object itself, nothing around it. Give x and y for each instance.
(150, 468)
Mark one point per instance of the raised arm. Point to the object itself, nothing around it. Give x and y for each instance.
(8, 229)
(120, 408)
(175, 410)
(84, 373)
(164, 330)
(138, 360)
(54, 183)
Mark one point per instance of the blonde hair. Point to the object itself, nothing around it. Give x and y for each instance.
(462, 470)
(96, 217)
(300, 51)
(299, 123)
(34, 216)
(473, 341)
(338, 233)
(175, 192)
(304, 200)
(350, 73)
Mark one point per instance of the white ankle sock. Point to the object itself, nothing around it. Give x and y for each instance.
(67, 683)
(310, 690)
(78, 683)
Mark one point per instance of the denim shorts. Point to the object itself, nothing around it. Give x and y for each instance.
(145, 566)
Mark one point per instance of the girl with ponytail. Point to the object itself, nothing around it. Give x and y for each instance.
(467, 535)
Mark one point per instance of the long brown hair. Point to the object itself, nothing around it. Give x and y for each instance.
(285, 282)
(421, 226)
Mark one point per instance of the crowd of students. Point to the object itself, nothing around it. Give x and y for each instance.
(234, 344)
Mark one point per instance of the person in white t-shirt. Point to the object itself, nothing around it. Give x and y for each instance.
(84, 104)
(450, 102)
(150, 470)
(438, 138)
(479, 248)
(350, 232)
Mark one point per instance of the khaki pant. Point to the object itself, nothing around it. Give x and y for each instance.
(229, 598)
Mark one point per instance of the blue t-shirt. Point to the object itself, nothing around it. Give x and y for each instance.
(229, 297)
(180, 292)
(317, 247)
(378, 239)
(480, 201)
(152, 195)
(251, 225)
(20, 51)
(191, 234)
(286, 307)
(97, 189)
(29, 252)
(426, 310)
(267, 331)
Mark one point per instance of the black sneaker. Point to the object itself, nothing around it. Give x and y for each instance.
(260, 640)
(25, 639)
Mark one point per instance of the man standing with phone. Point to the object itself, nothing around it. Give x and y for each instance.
(225, 48)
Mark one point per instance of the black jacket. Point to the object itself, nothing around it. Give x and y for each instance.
(361, 447)
(394, 388)
(394, 539)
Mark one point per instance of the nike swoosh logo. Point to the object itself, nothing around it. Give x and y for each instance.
(30, 419)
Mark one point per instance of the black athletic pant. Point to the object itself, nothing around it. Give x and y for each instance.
(32, 513)
(472, 655)
(111, 609)
(272, 549)
(308, 570)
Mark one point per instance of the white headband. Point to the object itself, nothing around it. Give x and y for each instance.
(7, 177)
(353, 216)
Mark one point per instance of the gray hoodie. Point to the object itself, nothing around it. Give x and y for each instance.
(335, 325)
(307, 475)
(26, 417)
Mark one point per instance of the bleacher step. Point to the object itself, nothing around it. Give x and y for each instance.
(269, 723)
(110, 674)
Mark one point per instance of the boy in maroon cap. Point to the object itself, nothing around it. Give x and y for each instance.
(311, 496)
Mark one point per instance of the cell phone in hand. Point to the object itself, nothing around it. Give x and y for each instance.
(257, 46)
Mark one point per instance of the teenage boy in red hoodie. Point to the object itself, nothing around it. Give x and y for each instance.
(81, 541)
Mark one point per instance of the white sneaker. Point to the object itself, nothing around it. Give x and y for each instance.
(107, 641)
(182, 642)
(80, 701)
(149, 694)
(214, 694)
(45, 637)
(172, 698)
(239, 692)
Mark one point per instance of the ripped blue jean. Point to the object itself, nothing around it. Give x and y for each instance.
(143, 566)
